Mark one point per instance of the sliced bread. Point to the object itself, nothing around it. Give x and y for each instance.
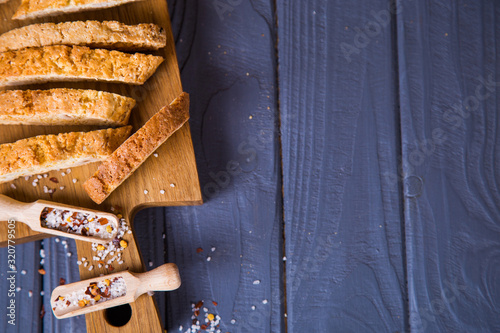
(64, 107)
(133, 152)
(77, 63)
(44, 153)
(108, 35)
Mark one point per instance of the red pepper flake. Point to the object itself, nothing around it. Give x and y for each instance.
(42, 312)
(197, 313)
(62, 281)
(41, 271)
(203, 327)
(215, 303)
(199, 250)
(199, 305)
(111, 268)
(103, 220)
(54, 179)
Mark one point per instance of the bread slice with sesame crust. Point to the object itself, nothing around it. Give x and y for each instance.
(44, 153)
(64, 107)
(107, 35)
(133, 152)
(77, 63)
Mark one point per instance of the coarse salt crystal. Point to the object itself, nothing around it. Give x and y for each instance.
(213, 249)
(75, 180)
(62, 188)
(233, 321)
(91, 267)
(162, 191)
(45, 175)
(172, 185)
(57, 240)
(69, 254)
(39, 177)
(63, 174)
(13, 186)
(209, 258)
(30, 293)
(64, 242)
(68, 171)
(146, 191)
(253, 307)
(256, 282)
(264, 301)
(42, 253)
(155, 155)
(42, 293)
(78, 262)
(284, 258)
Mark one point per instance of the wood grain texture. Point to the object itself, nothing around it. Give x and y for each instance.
(175, 163)
(339, 121)
(241, 217)
(449, 69)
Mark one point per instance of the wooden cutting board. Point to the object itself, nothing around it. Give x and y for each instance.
(174, 170)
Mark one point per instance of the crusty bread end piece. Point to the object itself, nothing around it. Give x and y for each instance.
(39, 8)
(64, 107)
(44, 153)
(133, 152)
(77, 63)
(95, 34)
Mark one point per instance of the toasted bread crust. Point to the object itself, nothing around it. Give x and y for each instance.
(39, 8)
(133, 152)
(64, 107)
(49, 152)
(77, 63)
(108, 34)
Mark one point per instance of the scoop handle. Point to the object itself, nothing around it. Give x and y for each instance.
(163, 278)
(12, 209)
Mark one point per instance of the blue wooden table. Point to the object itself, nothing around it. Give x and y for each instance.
(349, 156)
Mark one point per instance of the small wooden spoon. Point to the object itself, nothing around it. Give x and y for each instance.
(30, 214)
(164, 278)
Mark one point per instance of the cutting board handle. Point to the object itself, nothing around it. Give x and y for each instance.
(164, 278)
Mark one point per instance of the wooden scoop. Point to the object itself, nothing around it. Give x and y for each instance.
(163, 278)
(30, 214)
